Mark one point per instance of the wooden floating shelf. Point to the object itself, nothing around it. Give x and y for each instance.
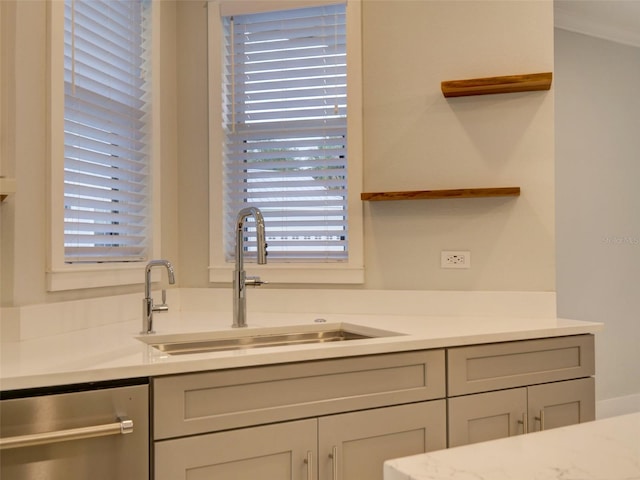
(492, 85)
(441, 194)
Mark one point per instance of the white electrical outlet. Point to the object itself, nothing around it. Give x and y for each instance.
(455, 259)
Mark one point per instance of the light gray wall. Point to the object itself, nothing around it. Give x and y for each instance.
(598, 200)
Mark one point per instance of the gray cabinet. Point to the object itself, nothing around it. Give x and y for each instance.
(554, 387)
(342, 418)
(349, 446)
(306, 420)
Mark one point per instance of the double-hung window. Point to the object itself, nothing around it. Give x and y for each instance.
(285, 137)
(104, 177)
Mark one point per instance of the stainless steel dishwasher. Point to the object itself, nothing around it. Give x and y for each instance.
(97, 432)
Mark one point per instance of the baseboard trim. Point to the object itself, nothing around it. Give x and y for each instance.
(612, 407)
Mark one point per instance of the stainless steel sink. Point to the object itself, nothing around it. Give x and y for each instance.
(206, 342)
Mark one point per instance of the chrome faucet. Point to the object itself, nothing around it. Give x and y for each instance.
(147, 303)
(240, 279)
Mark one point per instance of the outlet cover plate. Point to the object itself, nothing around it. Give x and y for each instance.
(455, 259)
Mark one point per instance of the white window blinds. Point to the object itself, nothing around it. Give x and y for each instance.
(284, 117)
(106, 69)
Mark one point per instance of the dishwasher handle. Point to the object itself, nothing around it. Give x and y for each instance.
(123, 426)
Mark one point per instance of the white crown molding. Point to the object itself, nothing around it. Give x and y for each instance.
(620, 23)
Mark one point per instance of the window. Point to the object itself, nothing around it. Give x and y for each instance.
(285, 136)
(105, 131)
(101, 133)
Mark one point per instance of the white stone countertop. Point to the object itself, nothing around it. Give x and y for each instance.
(62, 344)
(607, 449)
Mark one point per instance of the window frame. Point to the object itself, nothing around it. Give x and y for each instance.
(59, 274)
(349, 272)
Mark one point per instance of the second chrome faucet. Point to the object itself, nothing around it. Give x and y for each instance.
(240, 279)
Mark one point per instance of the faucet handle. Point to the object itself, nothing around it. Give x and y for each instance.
(163, 307)
(253, 281)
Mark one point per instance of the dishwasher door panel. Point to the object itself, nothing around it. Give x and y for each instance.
(96, 434)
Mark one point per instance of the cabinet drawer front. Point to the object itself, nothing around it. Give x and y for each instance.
(513, 364)
(220, 400)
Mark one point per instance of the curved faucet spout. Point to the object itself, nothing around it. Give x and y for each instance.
(260, 233)
(240, 280)
(148, 306)
(147, 274)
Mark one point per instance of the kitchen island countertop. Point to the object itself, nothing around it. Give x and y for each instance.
(607, 449)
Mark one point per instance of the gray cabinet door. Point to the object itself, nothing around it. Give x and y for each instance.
(560, 404)
(353, 446)
(487, 416)
(285, 451)
(492, 415)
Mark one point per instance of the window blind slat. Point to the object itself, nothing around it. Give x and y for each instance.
(277, 106)
(105, 228)
(125, 218)
(291, 115)
(122, 196)
(101, 183)
(283, 149)
(130, 175)
(98, 158)
(328, 36)
(106, 149)
(338, 90)
(269, 85)
(318, 183)
(310, 143)
(96, 133)
(260, 161)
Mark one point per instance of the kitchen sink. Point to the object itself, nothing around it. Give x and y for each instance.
(207, 342)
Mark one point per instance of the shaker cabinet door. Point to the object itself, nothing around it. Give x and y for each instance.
(285, 451)
(354, 446)
(560, 404)
(487, 416)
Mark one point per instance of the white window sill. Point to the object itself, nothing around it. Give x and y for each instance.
(74, 277)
